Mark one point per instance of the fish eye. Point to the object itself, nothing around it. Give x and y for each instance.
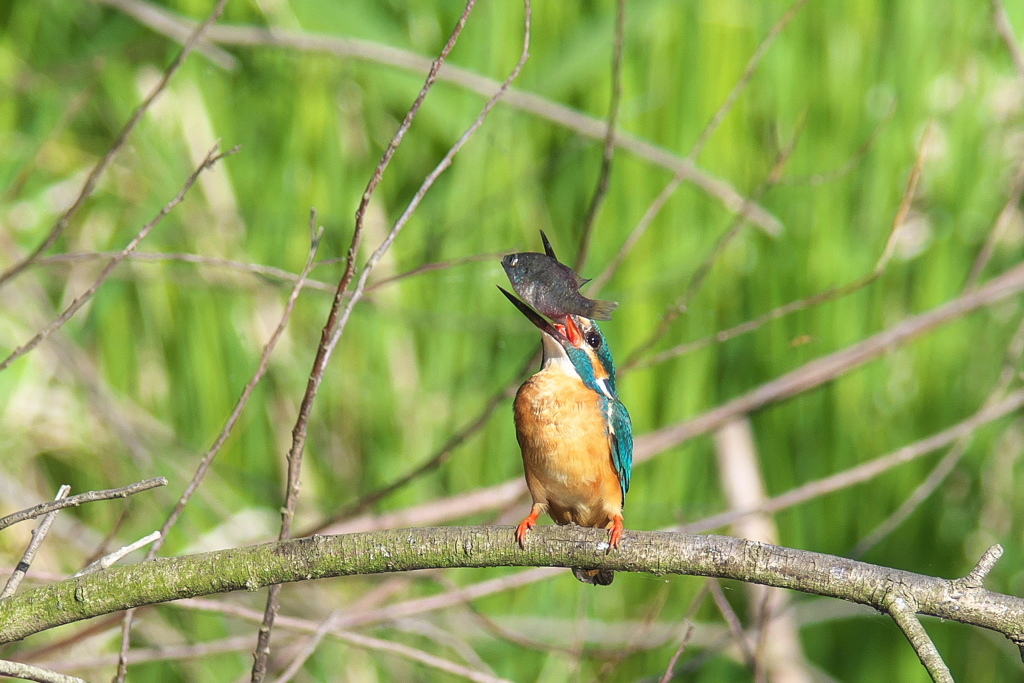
(512, 260)
(594, 339)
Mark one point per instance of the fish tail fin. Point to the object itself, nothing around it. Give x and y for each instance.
(602, 310)
(595, 577)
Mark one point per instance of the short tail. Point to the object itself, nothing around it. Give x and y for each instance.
(602, 310)
(595, 577)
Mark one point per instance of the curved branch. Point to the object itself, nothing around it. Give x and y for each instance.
(254, 567)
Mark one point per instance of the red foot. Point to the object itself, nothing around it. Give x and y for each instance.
(526, 525)
(616, 533)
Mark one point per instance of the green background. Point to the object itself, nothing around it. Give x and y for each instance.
(140, 382)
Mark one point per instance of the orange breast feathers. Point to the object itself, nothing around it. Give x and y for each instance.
(567, 450)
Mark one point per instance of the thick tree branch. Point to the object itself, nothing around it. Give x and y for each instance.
(398, 550)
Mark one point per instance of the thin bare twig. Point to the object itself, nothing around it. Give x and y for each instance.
(211, 158)
(446, 638)
(87, 497)
(906, 201)
(416, 655)
(27, 672)
(823, 177)
(33, 547)
(670, 669)
(163, 653)
(1006, 216)
(308, 649)
(430, 267)
(753, 324)
(733, 622)
(122, 137)
(250, 387)
(116, 556)
(918, 496)
(641, 227)
(167, 23)
(61, 645)
(604, 176)
(499, 631)
(986, 562)
(638, 638)
(902, 610)
(255, 269)
(262, 271)
(429, 182)
(457, 596)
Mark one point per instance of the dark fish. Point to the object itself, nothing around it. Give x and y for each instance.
(551, 287)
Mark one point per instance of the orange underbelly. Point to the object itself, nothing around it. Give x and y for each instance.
(566, 450)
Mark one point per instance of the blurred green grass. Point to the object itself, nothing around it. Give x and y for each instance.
(173, 344)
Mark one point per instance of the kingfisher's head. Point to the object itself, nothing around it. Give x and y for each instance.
(576, 347)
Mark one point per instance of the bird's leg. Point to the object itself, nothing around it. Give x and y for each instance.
(528, 523)
(616, 533)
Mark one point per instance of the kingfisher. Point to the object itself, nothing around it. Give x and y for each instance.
(575, 435)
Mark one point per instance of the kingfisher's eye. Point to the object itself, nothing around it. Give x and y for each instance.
(594, 339)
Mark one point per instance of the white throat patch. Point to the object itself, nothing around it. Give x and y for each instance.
(556, 357)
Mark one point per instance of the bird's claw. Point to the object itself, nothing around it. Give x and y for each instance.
(525, 526)
(616, 532)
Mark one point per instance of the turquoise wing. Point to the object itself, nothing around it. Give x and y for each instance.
(622, 445)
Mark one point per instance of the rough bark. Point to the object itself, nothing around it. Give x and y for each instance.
(254, 567)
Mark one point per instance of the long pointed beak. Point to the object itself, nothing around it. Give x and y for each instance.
(535, 318)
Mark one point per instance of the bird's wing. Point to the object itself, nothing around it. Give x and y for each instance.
(622, 445)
